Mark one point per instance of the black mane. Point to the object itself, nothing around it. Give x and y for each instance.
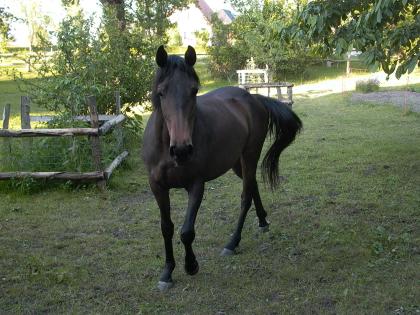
(174, 63)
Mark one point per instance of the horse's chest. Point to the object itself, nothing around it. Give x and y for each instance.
(170, 175)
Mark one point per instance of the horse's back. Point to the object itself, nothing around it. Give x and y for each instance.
(232, 103)
(235, 122)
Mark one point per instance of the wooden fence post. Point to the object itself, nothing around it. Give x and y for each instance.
(25, 109)
(7, 146)
(95, 141)
(348, 66)
(118, 130)
(279, 93)
(25, 123)
(290, 94)
(6, 116)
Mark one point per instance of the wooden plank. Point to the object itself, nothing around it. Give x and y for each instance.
(252, 71)
(266, 85)
(50, 132)
(101, 118)
(95, 141)
(106, 127)
(54, 175)
(117, 161)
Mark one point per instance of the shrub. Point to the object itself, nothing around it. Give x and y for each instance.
(89, 64)
(367, 86)
(261, 32)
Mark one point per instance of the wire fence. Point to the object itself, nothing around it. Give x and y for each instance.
(67, 154)
(70, 147)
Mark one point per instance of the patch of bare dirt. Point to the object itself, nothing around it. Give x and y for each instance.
(402, 99)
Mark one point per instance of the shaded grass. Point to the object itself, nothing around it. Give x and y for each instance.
(343, 239)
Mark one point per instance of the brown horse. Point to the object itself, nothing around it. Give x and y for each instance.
(192, 139)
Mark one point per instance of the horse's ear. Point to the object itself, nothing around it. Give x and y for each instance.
(161, 56)
(190, 56)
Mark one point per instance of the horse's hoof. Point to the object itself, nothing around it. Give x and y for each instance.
(165, 286)
(264, 229)
(227, 252)
(194, 270)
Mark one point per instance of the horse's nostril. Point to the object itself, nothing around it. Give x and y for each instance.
(181, 153)
(172, 150)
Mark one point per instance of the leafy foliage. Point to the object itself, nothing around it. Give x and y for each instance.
(226, 56)
(5, 20)
(98, 62)
(37, 23)
(386, 31)
(258, 32)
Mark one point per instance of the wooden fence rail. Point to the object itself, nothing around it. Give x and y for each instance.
(100, 174)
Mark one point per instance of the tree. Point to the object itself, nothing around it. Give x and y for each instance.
(118, 6)
(38, 24)
(387, 32)
(155, 14)
(258, 32)
(99, 61)
(5, 19)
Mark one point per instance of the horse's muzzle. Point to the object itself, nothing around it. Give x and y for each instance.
(181, 153)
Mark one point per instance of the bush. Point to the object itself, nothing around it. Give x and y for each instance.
(226, 56)
(89, 64)
(118, 55)
(367, 86)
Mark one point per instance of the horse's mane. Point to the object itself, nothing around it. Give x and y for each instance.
(174, 63)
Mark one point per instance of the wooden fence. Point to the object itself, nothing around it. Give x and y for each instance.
(277, 86)
(101, 174)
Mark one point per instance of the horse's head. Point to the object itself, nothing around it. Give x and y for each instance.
(175, 95)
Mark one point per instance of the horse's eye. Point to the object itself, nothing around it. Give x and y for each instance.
(194, 91)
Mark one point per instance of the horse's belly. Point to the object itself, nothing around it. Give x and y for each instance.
(223, 159)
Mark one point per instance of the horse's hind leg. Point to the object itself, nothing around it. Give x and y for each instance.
(259, 208)
(261, 213)
(248, 171)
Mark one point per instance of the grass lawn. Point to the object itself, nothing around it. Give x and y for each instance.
(343, 238)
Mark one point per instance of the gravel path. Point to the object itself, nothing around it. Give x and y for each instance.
(401, 99)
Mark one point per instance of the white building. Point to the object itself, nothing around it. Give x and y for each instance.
(197, 18)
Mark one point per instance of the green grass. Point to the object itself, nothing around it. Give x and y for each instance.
(343, 236)
(319, 72)
(11, 94)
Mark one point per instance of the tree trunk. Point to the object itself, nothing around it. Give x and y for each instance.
(119, 7)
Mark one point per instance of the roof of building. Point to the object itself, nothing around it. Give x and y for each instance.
(226, 16)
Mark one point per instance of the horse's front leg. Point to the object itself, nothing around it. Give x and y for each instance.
(195, 195)
(162, 198)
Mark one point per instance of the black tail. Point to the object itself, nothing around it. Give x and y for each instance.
(283, 126)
